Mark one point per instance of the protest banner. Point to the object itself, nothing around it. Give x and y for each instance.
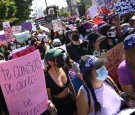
(40, 21)
(114, 57)
(24, 52)
(125, 6)
(57, 25)
(8, 31)
(16, 29)
(23, 85)
(93, 11)
(19, 49)
(44, 28)
(21, 37)
(26, 26)
(3, 37)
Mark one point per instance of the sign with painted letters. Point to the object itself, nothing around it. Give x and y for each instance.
(114, 57)
(23, 85)
(24, 52)
(125, 6)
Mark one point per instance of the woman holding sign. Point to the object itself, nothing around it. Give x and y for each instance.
(59, 87)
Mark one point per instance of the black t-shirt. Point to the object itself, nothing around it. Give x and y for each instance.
(76, 51)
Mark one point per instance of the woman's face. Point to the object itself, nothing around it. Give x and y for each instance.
(94, 75)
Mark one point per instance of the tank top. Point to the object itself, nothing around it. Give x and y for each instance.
(109, 100)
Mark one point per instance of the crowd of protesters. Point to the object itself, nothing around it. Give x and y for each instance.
(77, 81)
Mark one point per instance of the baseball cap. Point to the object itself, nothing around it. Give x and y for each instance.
(90, 61)
(52, 53)
(56, 42)
(94, 36)
(129, 41)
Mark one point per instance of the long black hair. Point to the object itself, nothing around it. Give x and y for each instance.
(87, 77)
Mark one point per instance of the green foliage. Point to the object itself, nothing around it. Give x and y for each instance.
(64, 13)
(7, 10)
(23, 10)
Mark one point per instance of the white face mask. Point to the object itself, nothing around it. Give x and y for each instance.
(60, 32)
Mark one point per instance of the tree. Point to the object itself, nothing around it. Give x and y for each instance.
(23, 9)
(64, 13)
(7, 10)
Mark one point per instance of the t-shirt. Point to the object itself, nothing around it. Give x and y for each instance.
(125, 74)
(76, 51)
(109, 100)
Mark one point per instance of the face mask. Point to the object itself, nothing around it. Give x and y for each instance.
(75, 37)
(102, 73)
(60, 61)
(13, 47)
(60, 32)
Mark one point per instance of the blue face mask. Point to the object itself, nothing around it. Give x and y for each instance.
(102, 73)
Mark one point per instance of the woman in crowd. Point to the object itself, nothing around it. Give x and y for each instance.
(59, 87)
(126, 70)
(99, 93)
(94, 44)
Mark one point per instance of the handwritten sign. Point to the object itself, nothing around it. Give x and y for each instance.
(57, 25)
(24, 52)
(114, 58)
(23, 85)
(16, 29)
(8, 33)
(125, 6)
(26, 26)
(21, 37)
(93, 11)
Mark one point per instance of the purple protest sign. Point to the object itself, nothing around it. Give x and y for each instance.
(3, 37)
(26, 26)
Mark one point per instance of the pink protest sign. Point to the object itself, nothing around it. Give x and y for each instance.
(24, 52)
(23, 85)
(8, 33)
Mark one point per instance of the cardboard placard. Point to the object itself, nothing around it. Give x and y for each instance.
(23, 85)
(125, 6)
(21, 37)
(114, 57)
(16, 29)
(8, 33)
(24, 52)
(57, 25)
(26, 26)
(93, 11)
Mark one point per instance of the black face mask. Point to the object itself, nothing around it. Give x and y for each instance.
(60, 61)
(75, 37)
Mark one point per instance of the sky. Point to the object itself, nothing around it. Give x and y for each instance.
(41, 4)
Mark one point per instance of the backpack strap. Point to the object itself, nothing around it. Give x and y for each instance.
(86, 88)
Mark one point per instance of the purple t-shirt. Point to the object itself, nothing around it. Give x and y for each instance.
(125, 74)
